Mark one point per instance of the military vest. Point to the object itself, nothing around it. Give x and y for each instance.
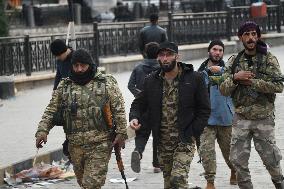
(248, 102)
(83, 105)
(258, 67)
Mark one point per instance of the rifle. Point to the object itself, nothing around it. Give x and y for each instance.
(110, 122)
(267, 77)
(118, 157)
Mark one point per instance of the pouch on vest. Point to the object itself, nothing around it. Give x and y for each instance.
(58, 116)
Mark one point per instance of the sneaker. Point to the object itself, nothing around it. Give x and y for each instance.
(157, 170)
(135, 161)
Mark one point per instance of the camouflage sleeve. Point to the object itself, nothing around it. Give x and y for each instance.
(264, 84)
(117, 106)
(45, 125)
(227, 85)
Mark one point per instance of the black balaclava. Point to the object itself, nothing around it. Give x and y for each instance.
(83, 56)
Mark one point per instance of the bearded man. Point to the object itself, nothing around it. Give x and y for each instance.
(177, 101)
(220, 121)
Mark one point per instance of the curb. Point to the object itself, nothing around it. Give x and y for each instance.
(55, 155)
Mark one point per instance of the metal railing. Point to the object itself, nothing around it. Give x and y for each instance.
(27, 54)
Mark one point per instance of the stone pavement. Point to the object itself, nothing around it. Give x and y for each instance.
(19, 117)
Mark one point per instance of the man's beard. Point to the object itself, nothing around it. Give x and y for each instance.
(214, 60)
(250, 48)
(168, 67)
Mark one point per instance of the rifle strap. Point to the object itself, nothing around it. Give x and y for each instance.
(236, 62)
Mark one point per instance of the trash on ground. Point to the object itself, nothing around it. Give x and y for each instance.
(41, 174)
(120, 180)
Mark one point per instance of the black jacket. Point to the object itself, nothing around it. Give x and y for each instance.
(152, 33)
(63, 69)
(193, 106)
(136, 80)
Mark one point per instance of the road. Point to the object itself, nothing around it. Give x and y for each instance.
(20, 115)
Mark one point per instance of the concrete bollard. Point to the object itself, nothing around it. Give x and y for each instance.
(7, 87)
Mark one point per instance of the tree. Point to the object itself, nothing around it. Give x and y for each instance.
(3, 21)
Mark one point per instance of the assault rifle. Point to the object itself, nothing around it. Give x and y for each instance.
(277, 78)
(118, 156)
(111, 124)
(217, 80)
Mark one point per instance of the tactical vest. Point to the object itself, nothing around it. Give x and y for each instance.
(84, 111)
(259, 68)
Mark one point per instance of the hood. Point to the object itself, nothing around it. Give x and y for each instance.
(150, 62)
(186, 67)
(150, 65)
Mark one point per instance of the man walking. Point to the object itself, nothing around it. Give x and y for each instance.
(251, 79)
(63, 56)
(88, 99)
(220, 121)
(152, 33)
(178, 105)
(135, 85)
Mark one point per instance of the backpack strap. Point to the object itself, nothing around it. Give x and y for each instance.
(236, 62)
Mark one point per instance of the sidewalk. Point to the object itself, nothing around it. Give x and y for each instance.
(19, 117)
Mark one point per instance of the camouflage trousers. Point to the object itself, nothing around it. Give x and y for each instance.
(207, 148)
(175, 159)
(262, 133)
(90, 163)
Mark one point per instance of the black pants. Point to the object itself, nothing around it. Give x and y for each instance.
(142, 136)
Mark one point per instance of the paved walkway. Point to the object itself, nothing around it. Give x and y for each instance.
(19, 117)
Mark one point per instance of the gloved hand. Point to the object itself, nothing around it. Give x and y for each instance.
(120, 141)
(41, 137)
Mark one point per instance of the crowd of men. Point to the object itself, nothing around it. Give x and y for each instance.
(231, 102)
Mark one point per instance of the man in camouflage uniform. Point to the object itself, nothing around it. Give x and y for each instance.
(220, 120)
(87, 98)
(177, 101)
(251, 79)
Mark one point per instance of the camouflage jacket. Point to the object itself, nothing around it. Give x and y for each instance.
(255, 101)
(87, 110)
